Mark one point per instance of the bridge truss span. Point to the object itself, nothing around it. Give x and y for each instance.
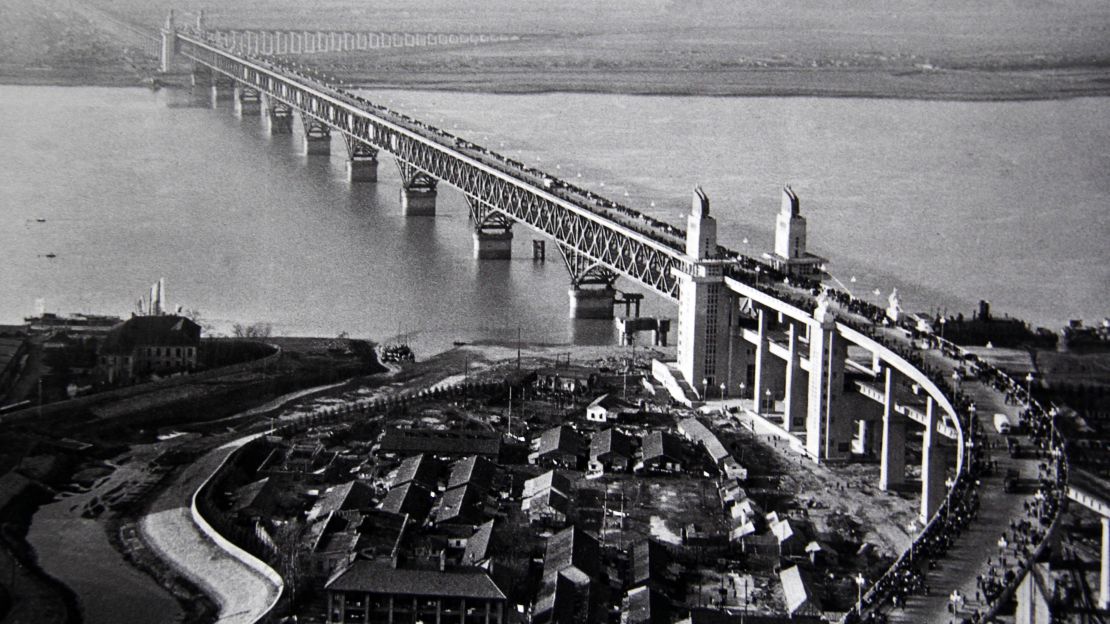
(521, 194)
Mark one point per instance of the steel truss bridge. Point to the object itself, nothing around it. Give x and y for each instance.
(599, 239)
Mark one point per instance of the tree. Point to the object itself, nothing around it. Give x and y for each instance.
(255, 330)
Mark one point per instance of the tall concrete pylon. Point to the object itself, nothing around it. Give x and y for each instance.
(705, 305)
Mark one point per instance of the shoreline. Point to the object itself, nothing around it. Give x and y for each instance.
(793, 87)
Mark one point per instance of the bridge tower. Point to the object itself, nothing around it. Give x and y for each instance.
(169, 43)
(704, 306)
(493, 234)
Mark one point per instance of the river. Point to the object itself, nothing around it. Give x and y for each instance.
(950, 202)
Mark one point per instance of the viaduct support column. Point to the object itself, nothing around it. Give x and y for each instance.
(932, 465)
(1104, 575)
(828, 431)
(250, 102)
(317, 137)
(769, 373)
(418, 192)
(892, 461)
(794, 399)
(169, 44)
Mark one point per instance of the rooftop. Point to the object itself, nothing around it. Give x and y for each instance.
(380, 577)
(610, 441)
(435, 442)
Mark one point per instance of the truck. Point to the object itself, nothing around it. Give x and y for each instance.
(1002, 423)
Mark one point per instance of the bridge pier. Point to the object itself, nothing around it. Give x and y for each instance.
(592, 303)
(1104, 568)
(418, 191)
(223, 89)
(281, 118)
(794, 398)
(828, 429)
(770, 376)
(362, 160)
(892, 455)
(249, 102)
(932, 465)
(317, 137)
(493, 244)
(493, 233)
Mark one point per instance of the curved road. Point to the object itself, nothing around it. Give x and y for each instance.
(243, 594)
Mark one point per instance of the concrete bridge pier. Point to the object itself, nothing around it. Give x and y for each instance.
(591, 303)
(223, 90)
(493, 232)
(317, 137)
(362, 160)
(281, 118)
(828, 428)
(1104, 568)
(201, 75)
(418, 191)
(249, 102)
(892, 456)
(493, 244)
(795, 395)
(933, 464)
(770, 374)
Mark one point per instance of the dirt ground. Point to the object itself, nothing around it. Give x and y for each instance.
(921, 49)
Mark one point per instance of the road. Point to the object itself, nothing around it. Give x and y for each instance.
(968, 557)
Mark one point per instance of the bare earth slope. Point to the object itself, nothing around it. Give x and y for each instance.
(917, 48)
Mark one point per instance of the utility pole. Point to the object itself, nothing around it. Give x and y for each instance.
(518, 347)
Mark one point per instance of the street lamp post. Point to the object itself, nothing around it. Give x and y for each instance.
(723, 391)
(704, 388)
(1029, 389)
(770, 405)
(943, 321)
(743, 387)
(860, 582)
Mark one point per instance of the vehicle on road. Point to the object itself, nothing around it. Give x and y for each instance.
(1002, 423)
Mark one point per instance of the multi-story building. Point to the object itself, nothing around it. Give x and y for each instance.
(378, 591)
(145, 345)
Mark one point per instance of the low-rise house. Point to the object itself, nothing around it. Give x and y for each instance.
(379, 532)
(475, 471)
(377, 591)
(610, 451)
(572, 379)
(651, 564)
(547, 498)
(645, 605)
(408, 499)
(800, 592)
(606, 408)
(477, 550)
(346, 499)
(570, 589)
(461, 505)
(256, 500)
(331, 544)
(791, 540)
(145, 345)
(559, 447)
(662, 454)
(423, 470)
(730, 491)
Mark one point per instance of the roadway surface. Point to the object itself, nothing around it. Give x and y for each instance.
(968, 556)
